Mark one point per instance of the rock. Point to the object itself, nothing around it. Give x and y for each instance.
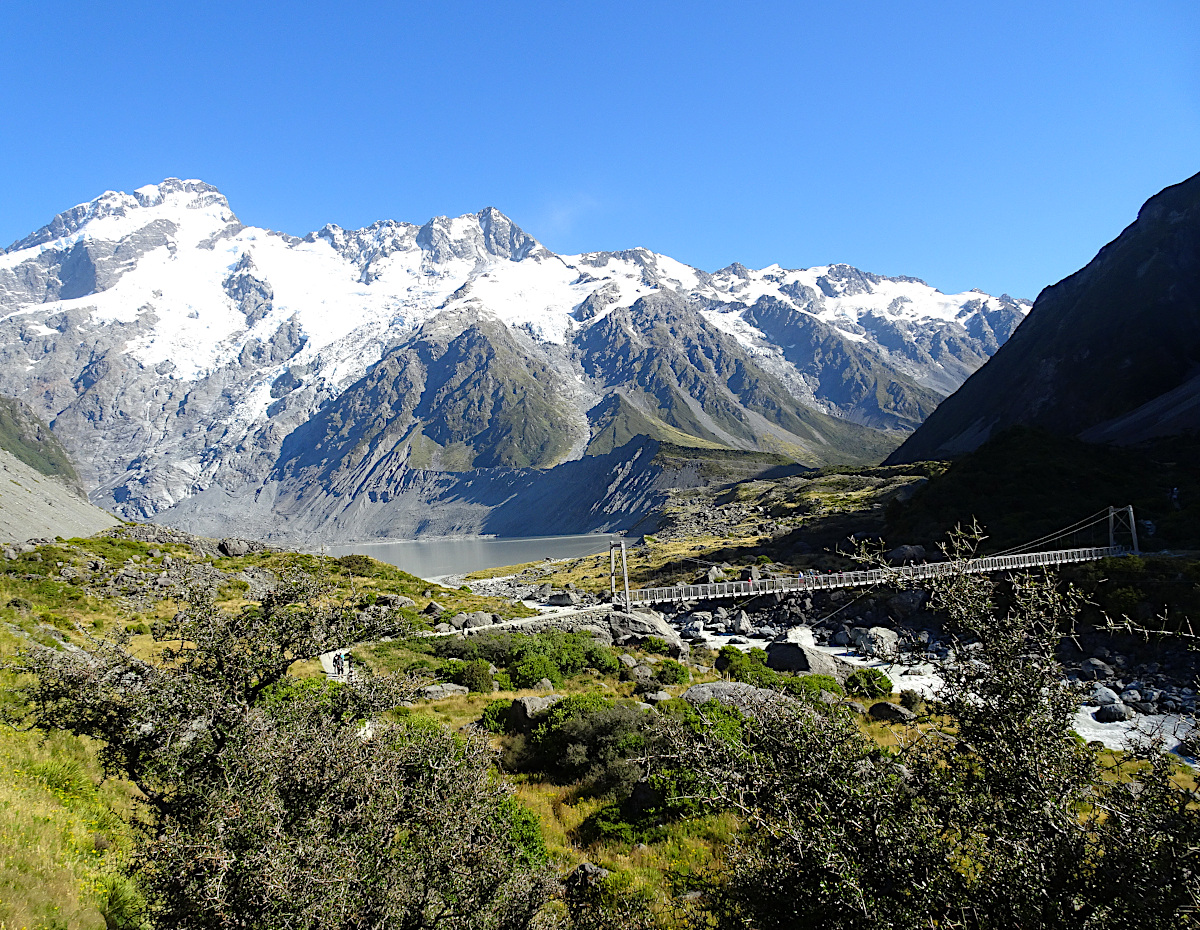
(1131, 696)
(434, 609)
(640, 625)
(443, 628)
(1094, 668)
(476, 620)
(878, 641)
(233, 547)
(793, 657)
(445, 690)
(891, 713)
(1114, 713)
(906, 555)
(801, 636)
(525, 710)
(640, 673)
(395, 600)
(656, 697)
(1102, 696)
(627, 660)
(1145, 707)
(732, 694)
(841, 638)
(458, 621)
(855, 707)
(545, 684)
(563, 599)
(740, 623)
(586, 876)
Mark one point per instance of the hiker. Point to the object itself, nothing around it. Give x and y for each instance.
(337, 664)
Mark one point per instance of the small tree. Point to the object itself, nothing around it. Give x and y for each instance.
(267, 802)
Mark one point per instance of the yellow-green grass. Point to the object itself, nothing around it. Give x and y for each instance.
(62, 829)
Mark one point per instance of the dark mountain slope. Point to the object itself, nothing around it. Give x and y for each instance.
(1108, 353)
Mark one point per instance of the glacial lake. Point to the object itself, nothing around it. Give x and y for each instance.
(433, 558)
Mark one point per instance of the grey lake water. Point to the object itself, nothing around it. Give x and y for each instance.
(433, 558)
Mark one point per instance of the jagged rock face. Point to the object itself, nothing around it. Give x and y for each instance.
(1108, 354)
(180, 355)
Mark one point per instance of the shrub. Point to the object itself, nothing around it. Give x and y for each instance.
(869, 683)
(670, 672)
(357, 564)
(656, 645)
(475, 675)
(913, 700)
(494, 718)
(19, 603)
(532, 669)
(811, 686)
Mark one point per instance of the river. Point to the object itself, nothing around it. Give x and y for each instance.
(435, 558)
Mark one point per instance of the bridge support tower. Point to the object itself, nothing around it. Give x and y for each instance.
(1119, 519)
(613, 546)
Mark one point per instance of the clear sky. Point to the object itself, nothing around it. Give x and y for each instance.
(974, 144)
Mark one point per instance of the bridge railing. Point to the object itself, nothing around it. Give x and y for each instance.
(857, 579)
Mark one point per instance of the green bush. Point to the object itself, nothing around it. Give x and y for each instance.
(869, 683)
(656, 645)
(670, 672)
(607, 824)
(811, 686)
(913, 700)
(590, 739)
(475, 675)
(356, 564)
(532, 669)
(494, 718)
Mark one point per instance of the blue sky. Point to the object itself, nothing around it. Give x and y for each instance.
(982, 144)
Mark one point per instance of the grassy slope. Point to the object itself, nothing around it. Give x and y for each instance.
(63, 829)
(29, 439)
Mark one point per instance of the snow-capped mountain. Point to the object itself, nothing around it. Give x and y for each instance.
(178, 353)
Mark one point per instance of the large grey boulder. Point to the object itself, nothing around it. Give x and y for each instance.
(1114, 713)
(800, 636)
(233, 547)
(1102, 696)
(878, 641)
(563, 599)
(476, 620)
(891, 713)
(906, 555)
(1094, 668)
(808, 660)
(395, 600)
(732, 694)
(637, 627)
(523, 713)
(445, 690)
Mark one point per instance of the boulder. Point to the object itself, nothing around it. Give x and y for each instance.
(586, 876)
(640, 673)
(657, 697)
(878, 641)
(732, 694)
(445, 690)
(545, 684)
(714, 575)
(458, 621)
(740, 623)
(906, 555)
(627, 660)
(434, 609)
(563, 599)
(809, 660)
(891, 713)
(524, 711)
(233, 547)
(395, 600)
(476, 620)
(801, 636)
(906, 603)
(1113, 713)
(1092, 669)
(443, 628)
(640, 625)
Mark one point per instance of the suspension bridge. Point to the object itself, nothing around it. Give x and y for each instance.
(1034, 554)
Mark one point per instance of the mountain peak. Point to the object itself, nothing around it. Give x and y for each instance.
(175, 193)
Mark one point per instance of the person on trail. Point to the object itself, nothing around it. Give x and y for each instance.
(337, 664)
(346, 664)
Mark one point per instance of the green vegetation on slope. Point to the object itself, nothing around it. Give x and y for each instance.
(29, 439)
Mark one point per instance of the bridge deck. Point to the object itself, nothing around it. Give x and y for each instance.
(858, 579)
